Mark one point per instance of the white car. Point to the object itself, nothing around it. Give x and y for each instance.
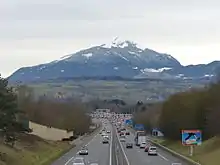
(83, 151)
(106, 136)
(152, 150)
(143, 145)
(79, 161)
(122, 139)
(105, 140)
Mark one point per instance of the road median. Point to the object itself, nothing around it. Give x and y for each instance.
(120, 152)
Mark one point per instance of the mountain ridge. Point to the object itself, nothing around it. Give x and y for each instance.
(119, 59)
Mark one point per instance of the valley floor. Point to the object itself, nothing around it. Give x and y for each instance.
(31, 150)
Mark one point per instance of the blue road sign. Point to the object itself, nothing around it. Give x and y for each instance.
(139, 127)
(191, 137)
(128, 122)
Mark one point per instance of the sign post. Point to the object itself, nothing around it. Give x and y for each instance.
(191, 151)
(191, 138)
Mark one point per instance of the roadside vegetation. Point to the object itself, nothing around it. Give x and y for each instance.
(17, 107)
(194, 109)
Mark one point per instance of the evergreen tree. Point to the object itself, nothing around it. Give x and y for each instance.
(9, 112)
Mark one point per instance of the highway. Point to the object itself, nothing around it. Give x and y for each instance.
(136, 155)
(98, 152)
(115, 153)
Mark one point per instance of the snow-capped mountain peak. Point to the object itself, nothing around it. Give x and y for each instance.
(119, 43)
(120, 58)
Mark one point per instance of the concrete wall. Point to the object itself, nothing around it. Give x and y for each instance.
(49, 133)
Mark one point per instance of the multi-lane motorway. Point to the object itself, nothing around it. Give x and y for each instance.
(98, 152)
(137, 155)
(115, 153)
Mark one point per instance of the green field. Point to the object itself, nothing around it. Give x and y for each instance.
(131, 91)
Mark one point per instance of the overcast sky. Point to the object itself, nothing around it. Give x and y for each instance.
(38, 31)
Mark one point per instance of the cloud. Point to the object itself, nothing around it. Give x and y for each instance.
(101, 18)
(38, 26)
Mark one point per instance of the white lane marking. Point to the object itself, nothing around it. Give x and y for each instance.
(69, 160)
(117, 161)
(110, 155)
(163, 157)
(123, 150)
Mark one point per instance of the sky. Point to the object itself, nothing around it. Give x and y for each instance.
(38, 31)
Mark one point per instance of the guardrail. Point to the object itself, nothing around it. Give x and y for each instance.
(182, 157)
(176, 154)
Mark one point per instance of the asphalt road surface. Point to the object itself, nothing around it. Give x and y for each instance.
(98, 152)
(115, 153)
(136, 155)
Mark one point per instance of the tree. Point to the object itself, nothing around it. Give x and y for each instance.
(9, 113)
(218, 74)
(149, 116)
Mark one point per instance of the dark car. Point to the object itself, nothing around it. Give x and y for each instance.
(147, 147)
(121, 133)
(129, 145)
(127, 133)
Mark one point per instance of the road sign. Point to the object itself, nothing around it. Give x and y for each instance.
(129, 122)
(139, 127)
(191, 137)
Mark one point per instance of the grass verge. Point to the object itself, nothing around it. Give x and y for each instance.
(207, 154)
(32, 150)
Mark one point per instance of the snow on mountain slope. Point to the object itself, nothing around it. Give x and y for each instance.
(119, 43)
(120, 58)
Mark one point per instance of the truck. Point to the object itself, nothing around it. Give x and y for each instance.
(140, 137)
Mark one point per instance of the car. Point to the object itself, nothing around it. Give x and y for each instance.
(123, 136)
(106, 137)
(108, 131)
(147, 147)
(121, 133)
(104, 134)
(127, 133)
(122, 139)
(104, 141)
(143, 145)
(152, 150)
(79, 161)
(93, 162)
(83, 151)
(129, 145)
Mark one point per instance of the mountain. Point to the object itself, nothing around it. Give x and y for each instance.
(124, 59)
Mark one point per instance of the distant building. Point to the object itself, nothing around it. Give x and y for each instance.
(49, 133)
(157, 132)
